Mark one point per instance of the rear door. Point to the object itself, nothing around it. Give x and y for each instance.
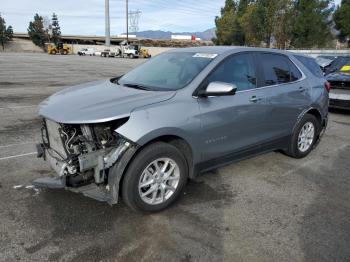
(287, 93)
(233, 123)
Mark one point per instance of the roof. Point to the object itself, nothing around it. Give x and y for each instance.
(228, 49)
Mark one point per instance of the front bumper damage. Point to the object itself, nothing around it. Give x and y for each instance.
(113, 162)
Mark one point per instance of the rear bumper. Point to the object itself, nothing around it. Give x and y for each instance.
(339, 103)
(339, 99)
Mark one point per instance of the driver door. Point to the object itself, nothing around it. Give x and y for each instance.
(234, 122)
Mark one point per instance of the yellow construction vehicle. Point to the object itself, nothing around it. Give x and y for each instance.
(61, 48)
(145, 53)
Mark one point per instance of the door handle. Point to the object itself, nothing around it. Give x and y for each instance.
(255, 99)
(302, 89)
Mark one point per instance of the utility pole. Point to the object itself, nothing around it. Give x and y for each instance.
(107, 21)
(127, 21)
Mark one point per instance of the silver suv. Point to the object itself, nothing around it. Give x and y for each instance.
(141, 136)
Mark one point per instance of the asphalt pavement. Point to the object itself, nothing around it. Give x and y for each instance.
(268, 208)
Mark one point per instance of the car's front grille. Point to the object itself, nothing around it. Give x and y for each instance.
(340, 84)
(55, 139)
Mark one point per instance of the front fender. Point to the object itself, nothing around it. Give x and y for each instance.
(176, 118)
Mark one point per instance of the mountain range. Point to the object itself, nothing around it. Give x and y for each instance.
(159, 34)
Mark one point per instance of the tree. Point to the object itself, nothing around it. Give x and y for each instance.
(311, 23)
(284, 24)
(6, 33)
(36, 31)
(267, 21)
(228, 29)
(342, 20)
(252, 22)
(56, 29)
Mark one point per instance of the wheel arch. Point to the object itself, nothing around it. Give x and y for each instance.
(316, 113)
(312, 111)
(117, 172)
(179, 142)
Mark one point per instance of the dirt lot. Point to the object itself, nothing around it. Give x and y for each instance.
(269, 208)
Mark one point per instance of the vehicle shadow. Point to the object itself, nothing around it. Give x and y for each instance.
(325, 229)
(81, 229)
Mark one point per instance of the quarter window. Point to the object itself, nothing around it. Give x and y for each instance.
(294, 72)
(311, 65)
(238, 70)
(278, 69)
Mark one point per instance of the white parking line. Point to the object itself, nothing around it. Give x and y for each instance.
(16, 107)
(9, 157)
(21, 144)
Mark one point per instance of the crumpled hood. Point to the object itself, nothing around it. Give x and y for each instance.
(97, 102)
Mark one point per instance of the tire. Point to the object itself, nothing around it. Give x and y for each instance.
(131, 56)
(295, 148)
(158, 152)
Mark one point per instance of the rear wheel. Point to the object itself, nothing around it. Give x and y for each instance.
(304, 137)
(155, 178)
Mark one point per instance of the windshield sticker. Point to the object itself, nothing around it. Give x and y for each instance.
(204, 55)
(345, 68)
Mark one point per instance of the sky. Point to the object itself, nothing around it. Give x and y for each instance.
(86, 17)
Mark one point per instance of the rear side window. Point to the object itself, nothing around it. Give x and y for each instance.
(278, 69)
(311, 65)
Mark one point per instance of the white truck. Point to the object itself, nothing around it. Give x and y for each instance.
(123, 50)
(86, 51)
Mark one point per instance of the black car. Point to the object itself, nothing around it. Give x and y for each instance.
(336, 64)
(339, 96)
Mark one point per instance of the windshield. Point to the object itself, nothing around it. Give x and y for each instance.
(169, 71)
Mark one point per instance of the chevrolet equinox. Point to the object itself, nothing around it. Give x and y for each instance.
(142, 135)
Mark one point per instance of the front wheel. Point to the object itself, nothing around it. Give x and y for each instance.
(155, 178)
(304, 137)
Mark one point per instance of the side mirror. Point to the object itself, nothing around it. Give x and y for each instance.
(219, 89)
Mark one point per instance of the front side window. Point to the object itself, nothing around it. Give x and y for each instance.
(238, 70)
(169, 71)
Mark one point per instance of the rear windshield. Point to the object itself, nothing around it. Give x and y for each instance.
(311, 65)
(169, 71)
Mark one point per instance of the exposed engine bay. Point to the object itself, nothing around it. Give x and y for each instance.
(82, 154)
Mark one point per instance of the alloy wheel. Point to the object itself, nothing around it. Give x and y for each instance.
(159, 181)
(306, 137)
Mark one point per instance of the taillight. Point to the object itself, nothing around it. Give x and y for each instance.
(327, 85)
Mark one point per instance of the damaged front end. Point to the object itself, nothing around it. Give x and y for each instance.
(88, 158)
